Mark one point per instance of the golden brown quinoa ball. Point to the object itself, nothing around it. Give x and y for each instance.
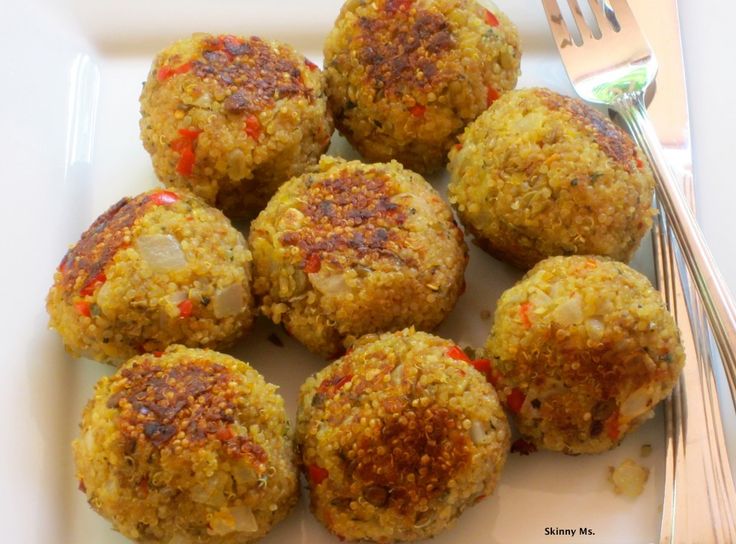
(191, 446)
(541, 174)
(404, 77)
(583, 349)
(351, 249)
(398, 437)
(153, 270)
(231, 118)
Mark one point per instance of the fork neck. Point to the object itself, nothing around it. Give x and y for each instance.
(632, 108)
(715, 295)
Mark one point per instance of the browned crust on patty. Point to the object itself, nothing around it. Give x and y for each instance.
(351, 211)
(100, 242)
(189, 403)
(254, 74)
(401, 46)
(411, 456)
(612, 140)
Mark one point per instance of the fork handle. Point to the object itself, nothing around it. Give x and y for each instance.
(715, 295)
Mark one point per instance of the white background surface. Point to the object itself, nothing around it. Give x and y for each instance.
(37, 51)
(710, 55)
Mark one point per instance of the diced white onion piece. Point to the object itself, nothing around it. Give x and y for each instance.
(569, 312)
(244, 474)
(245, 521)
(529, 122)
(177, 297)
(300, 282)
(162, 252)
(329, 284)
(106, 295)
(638, 402)
(291, 219)
(595, 328)
(397, 373)
(89, 441)
(110, 488)
(538, 201)
(229, 301)
(221, 524)
(649, 363)
(477, 434)
(211, 491)
(555, 290)
(625, 344)
(237, 166)
(539, 299)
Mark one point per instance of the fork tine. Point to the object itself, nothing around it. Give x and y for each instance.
(557, 24)
(603, 24)
(585, 31)
(623, 14)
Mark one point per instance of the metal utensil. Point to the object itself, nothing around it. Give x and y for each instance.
(616, 69)
(613, 65)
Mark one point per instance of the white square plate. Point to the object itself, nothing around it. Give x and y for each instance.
(80, 110)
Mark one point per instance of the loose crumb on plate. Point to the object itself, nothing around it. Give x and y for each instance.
(628, 478)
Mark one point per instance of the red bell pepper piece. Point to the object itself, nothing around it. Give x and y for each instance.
(82, 308)
(418, 110)
(515, 400)
(491, 19)
(185, 308)
(163, 198)
(317, 474)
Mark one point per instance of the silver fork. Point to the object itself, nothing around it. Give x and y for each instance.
(614, 67)
(615, 70)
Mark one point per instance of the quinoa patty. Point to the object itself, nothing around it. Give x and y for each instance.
(404, 77)
(398, 437)
(352, 249)
(153, 270)
(190, 446)
(583, 349)
(230, 118)
(541, 174)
